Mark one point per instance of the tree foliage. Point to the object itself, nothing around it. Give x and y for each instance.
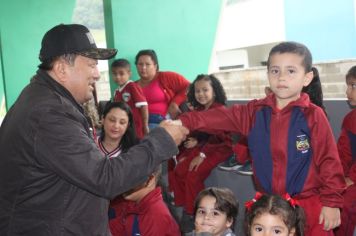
(89, 13)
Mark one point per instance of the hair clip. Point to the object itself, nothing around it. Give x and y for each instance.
(291, 201)
(249, 204)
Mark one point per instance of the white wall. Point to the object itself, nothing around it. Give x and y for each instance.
(244, 26)
(249, 23)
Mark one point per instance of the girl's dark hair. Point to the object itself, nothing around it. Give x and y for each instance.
(121, 63)
(293, 47)
(225, 201)
(314, 90)
(148, 52)
(351, 73)
(293, 217)
(220, 96)
(129, 139)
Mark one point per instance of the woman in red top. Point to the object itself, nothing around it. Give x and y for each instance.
(164, 91)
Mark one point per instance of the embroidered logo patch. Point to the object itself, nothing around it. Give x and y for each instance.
(126, 97)
(302, 143)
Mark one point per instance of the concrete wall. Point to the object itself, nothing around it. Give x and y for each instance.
(250, 83)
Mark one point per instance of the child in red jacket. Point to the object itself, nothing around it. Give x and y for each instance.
(142, 211)
(290, 140)
(202, 152)
(132, 94)
(347, 151)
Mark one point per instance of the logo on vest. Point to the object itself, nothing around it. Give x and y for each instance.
(302, 143)
(126, 97)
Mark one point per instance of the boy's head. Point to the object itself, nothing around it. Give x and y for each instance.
(121, 71)
(215, 210)
(293, 48)
(140, 191)
(351, 86)
(289, 70)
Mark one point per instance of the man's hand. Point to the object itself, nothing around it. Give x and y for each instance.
(177, 132)
(330, 217)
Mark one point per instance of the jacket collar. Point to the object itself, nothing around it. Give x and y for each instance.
(120, 88)
(44, 77)
(303, 101)
(145, 203)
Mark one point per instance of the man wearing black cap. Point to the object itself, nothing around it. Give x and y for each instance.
(53, 179)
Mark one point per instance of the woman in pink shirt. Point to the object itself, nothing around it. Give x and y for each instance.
(165, 91)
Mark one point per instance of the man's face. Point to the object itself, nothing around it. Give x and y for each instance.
(81, 78)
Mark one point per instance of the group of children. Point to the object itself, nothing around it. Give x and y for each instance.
(290, 143)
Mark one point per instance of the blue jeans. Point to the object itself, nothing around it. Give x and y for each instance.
(154, 120)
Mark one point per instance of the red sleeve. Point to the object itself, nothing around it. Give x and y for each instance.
(119, 223)
(241, 150)
(165, 225)
(116, 96)
(175, 85)
(236, 119)
(139, 98)
(347, 145)
(220, 144)
(326, 159)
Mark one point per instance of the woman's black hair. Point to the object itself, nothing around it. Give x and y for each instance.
(220, 96)
(129, 138)
(314, 90)
(225, 201)
(148, 52)
(292, 216)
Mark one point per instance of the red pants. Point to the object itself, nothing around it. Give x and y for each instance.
(348, 213)
(187, 184)
(312, 208)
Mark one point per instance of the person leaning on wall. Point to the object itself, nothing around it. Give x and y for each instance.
(53, 178)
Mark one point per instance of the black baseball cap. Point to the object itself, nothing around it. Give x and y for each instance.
(73, 38)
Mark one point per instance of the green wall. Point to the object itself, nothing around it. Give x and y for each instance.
(2, 91)
(182, 32)
(22, 26)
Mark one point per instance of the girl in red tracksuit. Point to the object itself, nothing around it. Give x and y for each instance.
(290, 140)
(201, 152)
(347, 151)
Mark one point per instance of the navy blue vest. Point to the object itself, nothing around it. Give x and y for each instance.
(135, 227)
(299, 150)
(352, 138)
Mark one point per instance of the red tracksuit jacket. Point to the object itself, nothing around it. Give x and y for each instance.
(347, 145)
(154, 217)
(293, 149)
